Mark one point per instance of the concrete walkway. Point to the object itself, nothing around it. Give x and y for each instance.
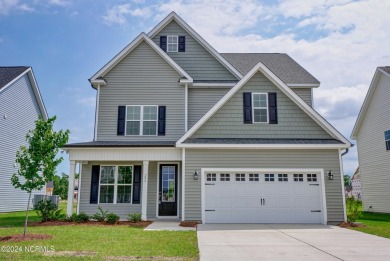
(288, 242)
(168, 225)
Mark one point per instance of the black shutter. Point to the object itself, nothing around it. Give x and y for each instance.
(136, 184)
(161, 120)
(121, 120)
(247, 108)
(272, 108)
(163, 43)
(182, 43)
(94, 184)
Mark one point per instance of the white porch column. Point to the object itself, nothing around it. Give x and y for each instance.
(144, 198)
(72, 170)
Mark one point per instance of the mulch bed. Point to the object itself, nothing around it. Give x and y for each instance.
(20, 237)
(188, 224)
(91, 223)
(347, 225)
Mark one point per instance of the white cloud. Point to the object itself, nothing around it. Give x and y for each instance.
(59, 2)
(119, 14)
(87, 101)
(6, 6)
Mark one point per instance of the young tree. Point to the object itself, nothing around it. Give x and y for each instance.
(347, 180)
(38, 161)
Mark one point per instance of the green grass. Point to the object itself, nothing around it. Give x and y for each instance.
(376, 224)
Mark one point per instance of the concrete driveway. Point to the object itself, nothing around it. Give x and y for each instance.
(288, 243)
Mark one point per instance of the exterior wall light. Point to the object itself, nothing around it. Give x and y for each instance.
(196, 175)
(330, 175)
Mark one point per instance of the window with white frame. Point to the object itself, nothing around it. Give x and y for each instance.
(269, 177)
(260, 107)
(211, 177)
(225, 177)
(312, 177)
(115, 184)
(298, 177)
(282, 177)
(141, 120)
(253, 177)
(240, 177)
(172, 43)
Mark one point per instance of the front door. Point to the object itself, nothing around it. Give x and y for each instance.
(168, 190)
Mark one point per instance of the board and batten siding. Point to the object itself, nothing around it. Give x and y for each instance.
(141, 78)
(374, 160)
(18, 110)
(196, 60)
(293, 122)
(305, 94)
(201, 100)
(208, 158)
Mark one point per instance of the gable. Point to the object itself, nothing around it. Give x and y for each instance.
(196, 60)
(293, 122)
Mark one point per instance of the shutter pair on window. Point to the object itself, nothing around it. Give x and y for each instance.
(95, 184)
(181, 43)
(272, 108)
(122, 120)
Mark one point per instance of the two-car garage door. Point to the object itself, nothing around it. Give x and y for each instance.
(262, 197)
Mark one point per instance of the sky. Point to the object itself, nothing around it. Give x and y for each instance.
(340, 42)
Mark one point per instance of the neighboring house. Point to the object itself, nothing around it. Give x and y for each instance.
(372, 133)
(356, 185)
(183, 131)
(348, 191)
(20, 106)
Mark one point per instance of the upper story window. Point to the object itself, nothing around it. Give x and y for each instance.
(260, 107)
(173, 43)
(387, 139)
(141, 120)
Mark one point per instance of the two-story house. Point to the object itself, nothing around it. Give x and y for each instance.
(183, 131)
(20, 106)
(372, 133)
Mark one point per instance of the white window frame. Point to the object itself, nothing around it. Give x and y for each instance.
(116, 174)
(173, 44)
(253, 107)
(141, 125)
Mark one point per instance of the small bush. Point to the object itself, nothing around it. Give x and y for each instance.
(136, 217)
(47, 210)
(79, 218)
(112, 218)
(100, 216)
(353, 212)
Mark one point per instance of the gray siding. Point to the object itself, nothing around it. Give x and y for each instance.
(19, 105)
(141, 78)
(374, 160)
(152, 190)
(227, 122)
(324, 159)
(201, 100)
(305, 94)
(196, 60)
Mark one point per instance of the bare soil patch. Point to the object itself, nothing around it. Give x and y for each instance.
(91, 223)
(70, 253)
(189, 223)
(146, 258)
(20, 237)
(347, 225)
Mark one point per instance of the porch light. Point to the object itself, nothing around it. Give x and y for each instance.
(330, 175)
(196, 175)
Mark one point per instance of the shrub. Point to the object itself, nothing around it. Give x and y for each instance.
(112, 218)
(79, 218)
(353, 212)
(136, 217)
(47, 210)
(100, 216)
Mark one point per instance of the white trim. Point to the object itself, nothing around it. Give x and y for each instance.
(98, 82)
(342, 185)
(367, 100)
(97, 112)
(303, 85)
(177, 175)
(177, 43)
(129, 48)
(260, 108)
(289, 170)
(141, 120)
(72, 170)
(284, 88)
(183, 182)
(144, 199)
(212, 85)
(197, 37)
(79, 188)
(186, 108)
(262, 146)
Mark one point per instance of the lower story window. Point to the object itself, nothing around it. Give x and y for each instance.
(225, 177)
(282, 177)
(211, 177)
(240, 177)
(253, 177)
(115, 184)
(269, 177)
(312, 177)
(298, 177)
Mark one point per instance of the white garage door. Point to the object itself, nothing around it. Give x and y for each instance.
(262, 197)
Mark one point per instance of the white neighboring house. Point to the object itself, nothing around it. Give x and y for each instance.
(20, 105)
(372, 133)
(356, 185)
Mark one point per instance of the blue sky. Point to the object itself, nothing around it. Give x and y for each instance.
(67, 41)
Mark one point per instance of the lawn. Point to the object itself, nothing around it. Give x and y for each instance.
(376, 224)
(99, 242)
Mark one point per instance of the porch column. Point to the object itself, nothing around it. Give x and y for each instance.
(72, 170)
(144, 201)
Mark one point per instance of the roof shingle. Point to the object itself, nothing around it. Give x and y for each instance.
(8, 73)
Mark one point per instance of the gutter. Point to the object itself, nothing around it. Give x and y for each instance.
(346, 150)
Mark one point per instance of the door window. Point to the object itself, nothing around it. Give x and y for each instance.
(168, 184)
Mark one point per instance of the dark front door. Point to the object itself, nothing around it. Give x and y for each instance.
(168, 190)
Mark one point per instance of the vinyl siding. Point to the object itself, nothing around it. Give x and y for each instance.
(141, 78)
(20, 106)
(374, 160)
(152, 190)
(201, 100)
(196, 60)
(293, 122)
(305, 94)
(323, 159)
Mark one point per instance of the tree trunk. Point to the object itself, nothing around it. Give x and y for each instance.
(25, 222)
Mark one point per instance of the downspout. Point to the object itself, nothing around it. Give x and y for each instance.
(186, 108)
(342, 179)
(96, 112)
